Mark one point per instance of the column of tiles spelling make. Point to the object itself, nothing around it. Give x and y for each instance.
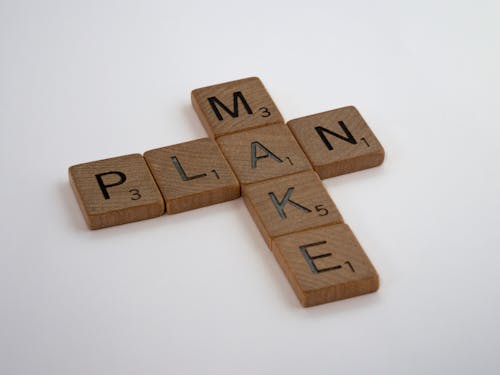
(283, 194)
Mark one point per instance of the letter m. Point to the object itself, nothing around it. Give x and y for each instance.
(216, 103)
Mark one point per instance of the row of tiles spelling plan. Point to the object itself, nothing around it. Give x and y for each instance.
(276, 167)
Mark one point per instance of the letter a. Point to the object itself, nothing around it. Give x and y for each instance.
(268, 153)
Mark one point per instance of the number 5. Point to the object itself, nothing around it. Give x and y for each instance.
(322, 211)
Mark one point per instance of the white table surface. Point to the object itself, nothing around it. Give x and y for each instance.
(198, 292)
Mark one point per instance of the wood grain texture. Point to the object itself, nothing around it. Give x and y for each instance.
(192, 175)
(235, 106)
(290, 204)
(351, 148)
(116, 191)
(325, 264)
(260, 154)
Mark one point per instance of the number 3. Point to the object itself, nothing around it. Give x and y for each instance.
(135, 194)
(265, 112)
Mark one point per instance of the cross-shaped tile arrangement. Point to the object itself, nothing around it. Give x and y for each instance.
(276, 167)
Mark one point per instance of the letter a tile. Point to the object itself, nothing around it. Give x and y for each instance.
(337, 142)
(116, 191)
(325, 264)
(235, 106)
(192, 174)
(290, 204)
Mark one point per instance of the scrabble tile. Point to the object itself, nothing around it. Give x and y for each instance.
(235, 106)
(192, 175)
(116, 191)
(337, 142)
(290, 204)
(325, 264)
(263, 153)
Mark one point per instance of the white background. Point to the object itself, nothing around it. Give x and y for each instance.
(198, 292)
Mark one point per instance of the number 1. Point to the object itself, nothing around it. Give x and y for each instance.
(350, 266)
(215, 173)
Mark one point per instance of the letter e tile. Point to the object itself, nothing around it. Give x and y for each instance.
(325, 264)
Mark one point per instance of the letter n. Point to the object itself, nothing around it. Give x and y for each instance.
(347, 138)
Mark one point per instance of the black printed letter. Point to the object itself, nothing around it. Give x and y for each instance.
(104, 187)
(286, 199)
(214, 102)
(310, 259)
(181, 171)
(267, 154)
(348, 138)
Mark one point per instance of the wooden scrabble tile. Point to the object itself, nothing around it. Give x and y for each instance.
(325, 264)
(235, 106)
(263, 153)
(337, 142)
(116, 191)
(290, 204)
(192, 175)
